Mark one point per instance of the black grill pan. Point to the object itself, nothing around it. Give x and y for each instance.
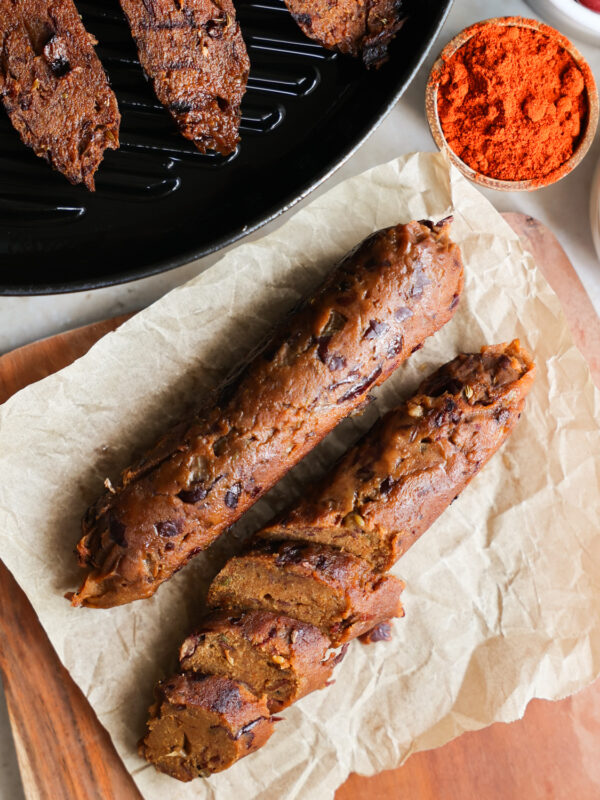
(160, 203)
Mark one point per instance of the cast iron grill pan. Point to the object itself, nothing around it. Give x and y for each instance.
(159, 202)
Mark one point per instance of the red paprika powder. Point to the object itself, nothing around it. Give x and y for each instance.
(512, 102)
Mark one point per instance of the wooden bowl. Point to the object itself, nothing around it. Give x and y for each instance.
(431, 104)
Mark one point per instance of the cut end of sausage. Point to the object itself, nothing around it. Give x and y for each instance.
(275, 656)
(334, 591)
(200, 725)
(54, 87)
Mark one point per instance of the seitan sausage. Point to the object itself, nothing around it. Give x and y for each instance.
(382, 301)
(195, 56)
(353, 27)
(54, 88)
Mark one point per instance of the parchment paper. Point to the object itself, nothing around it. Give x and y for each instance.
(503, 592)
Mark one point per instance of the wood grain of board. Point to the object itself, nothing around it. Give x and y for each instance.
(35, 361)
(560, 274)
(63, 751)
(65, 754)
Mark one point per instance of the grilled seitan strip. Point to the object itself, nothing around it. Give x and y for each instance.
(357, 28)
(384, 493)
(394, 483)
(54, 88)
(194, 54)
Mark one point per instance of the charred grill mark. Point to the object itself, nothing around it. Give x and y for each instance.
(216, 27)
(304, 20)
(170, 25)
(182, 107)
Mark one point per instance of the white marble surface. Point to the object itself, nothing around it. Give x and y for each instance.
(564, 207)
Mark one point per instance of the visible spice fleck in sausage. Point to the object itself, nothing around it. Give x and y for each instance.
(168, 528)
(193, 495)
(233, 495)
(359, 388)
(375, 329)
(117, 531)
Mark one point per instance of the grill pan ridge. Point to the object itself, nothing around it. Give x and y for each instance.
(159, 202)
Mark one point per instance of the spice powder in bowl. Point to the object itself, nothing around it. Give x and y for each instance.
(514, 102)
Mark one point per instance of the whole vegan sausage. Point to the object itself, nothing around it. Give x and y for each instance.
(391, 486)
(378, 305)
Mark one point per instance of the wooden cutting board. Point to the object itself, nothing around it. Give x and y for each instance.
(65, 754)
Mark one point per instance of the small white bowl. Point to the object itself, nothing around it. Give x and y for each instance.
(570, 17)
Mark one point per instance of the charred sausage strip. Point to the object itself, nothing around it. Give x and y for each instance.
(363, 29)
(194, 54)
(54, 88)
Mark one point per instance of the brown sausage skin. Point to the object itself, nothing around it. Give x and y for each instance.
(382, 301)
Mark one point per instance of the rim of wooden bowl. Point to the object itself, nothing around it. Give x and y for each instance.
(437, 132)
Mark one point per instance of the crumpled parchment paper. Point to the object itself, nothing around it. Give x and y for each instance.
(503, 592)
